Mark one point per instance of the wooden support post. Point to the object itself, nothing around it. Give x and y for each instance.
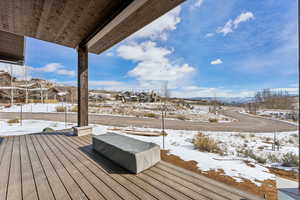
(83, 95)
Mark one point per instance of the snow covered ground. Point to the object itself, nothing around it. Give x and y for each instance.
(34, 107)
(179, 142)
(131, 109)
(267, 114)
(29, 126)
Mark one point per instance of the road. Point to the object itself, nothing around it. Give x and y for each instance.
(244, 123)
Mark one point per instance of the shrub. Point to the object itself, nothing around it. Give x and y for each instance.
(213, 120)
(273, 158)
(249, 153)
(295, 135)
(290, 160)
(74, 109)
(291, 141)
(260, 159)
(151, 115)
(206, 144)
(164, 133)
(261, 147)
(181, 117)
(60, 109)
(47, 129)
(13, 121)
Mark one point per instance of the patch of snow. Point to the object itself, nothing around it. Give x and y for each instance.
(35, 107)
(178, 142)
(30, 126)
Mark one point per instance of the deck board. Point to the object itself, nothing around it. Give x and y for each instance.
(43, 188)
(5, 168)
(14, 190)
(98, 171)
(57, 186)
(80, 179)
(96, 181)
(73, 188)
(59, 166)
(28, 183)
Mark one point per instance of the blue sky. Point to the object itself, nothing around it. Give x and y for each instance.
(201, 48)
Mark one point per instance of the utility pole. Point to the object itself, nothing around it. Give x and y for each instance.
(41, 92)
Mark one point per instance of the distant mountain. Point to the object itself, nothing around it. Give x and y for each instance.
(226, 99)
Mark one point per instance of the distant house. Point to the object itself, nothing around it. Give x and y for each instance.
(137, 96)
(5, 78)
(4, 96)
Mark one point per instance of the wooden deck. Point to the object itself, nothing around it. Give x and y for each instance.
(59, 166)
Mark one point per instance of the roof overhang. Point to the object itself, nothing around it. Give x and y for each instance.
(11, 48)
(97, 24)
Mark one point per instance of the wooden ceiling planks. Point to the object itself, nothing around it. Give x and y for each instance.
(74, 22)
(66, 22)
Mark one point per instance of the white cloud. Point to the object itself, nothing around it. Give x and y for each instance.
(92, 83)
(160, 27)
(196, 91)
(243, 17)
(55, 68)
(153, 63)
(296, 85)
(104, 83)
(109, 54)
(233, 24)
(18, 71)
(52, 67)
(227, 28)
(216, 62)
(197, 4)
(209, 35)
(282, 60)
(290, 90)
(66, 72)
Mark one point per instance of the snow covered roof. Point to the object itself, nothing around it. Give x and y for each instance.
(62, 93)
(19, 88)
(27, 85)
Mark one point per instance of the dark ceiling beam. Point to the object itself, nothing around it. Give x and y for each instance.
(116, 20)
(99, 27)
(132, 19)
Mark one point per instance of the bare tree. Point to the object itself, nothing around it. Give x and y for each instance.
(164, 109)
(11, 85)
(273, 99)
(26, 88)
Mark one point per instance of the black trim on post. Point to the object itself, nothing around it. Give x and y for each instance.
(83, 95)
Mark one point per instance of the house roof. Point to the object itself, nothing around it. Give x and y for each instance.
(97, 24)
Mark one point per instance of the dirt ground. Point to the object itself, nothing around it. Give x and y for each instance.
(293, 176)
(244, 123)
(267, 190)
